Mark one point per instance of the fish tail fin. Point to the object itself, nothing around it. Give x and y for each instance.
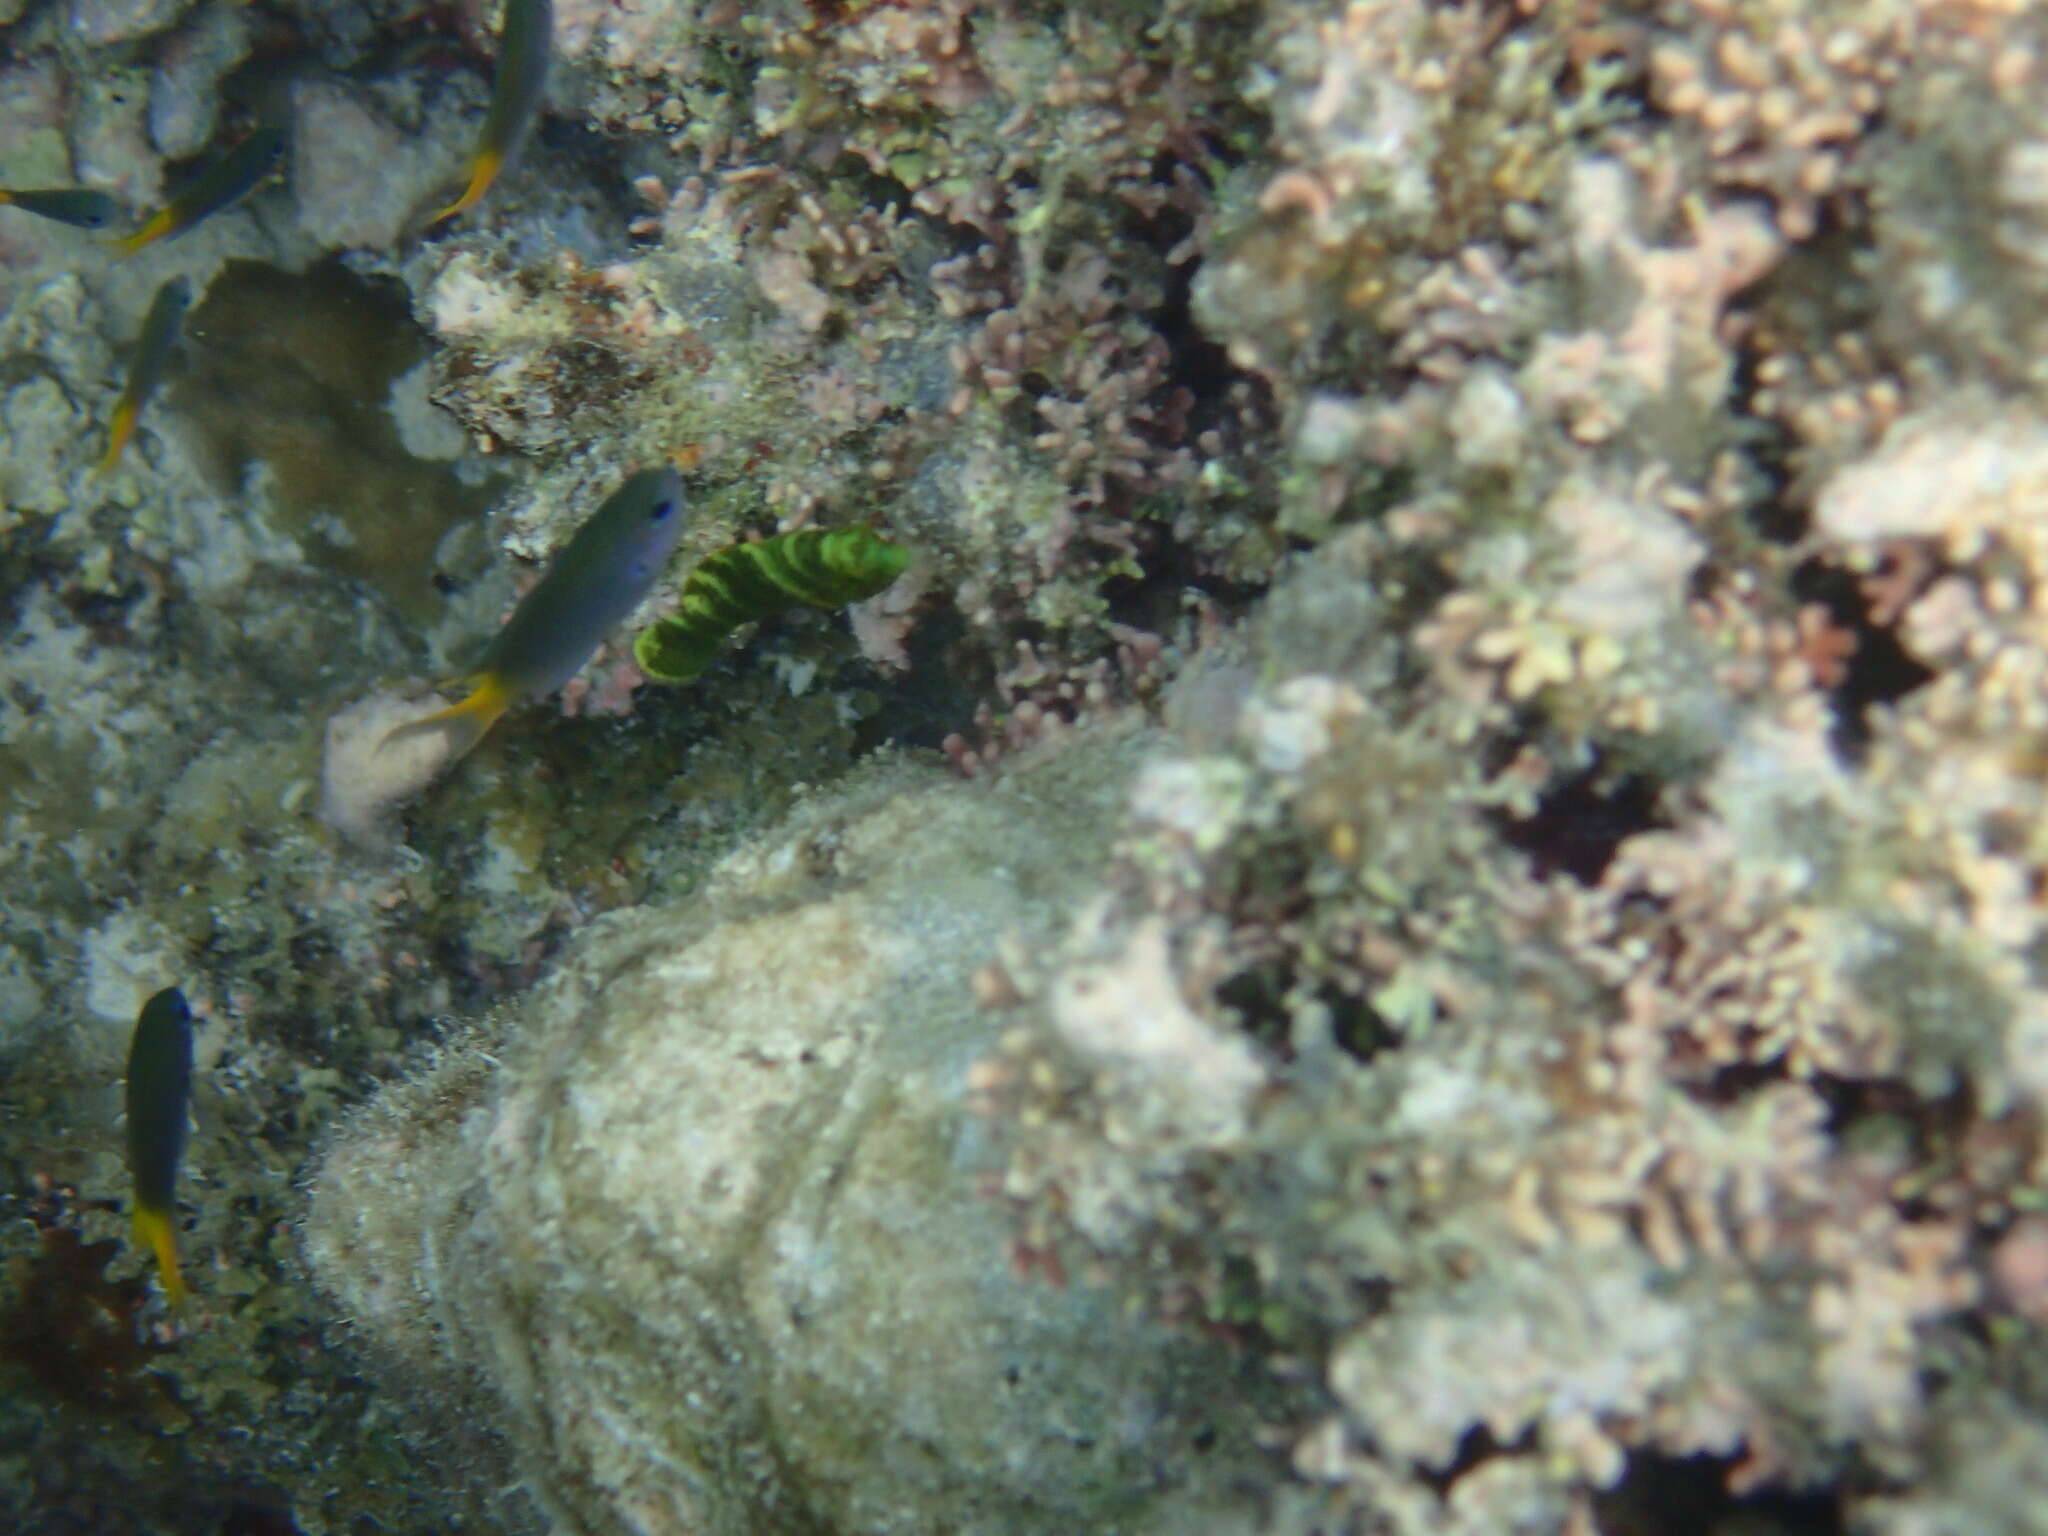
(159, 1234)
(118, 432)
(6, 196)
(160, 224)
(464, 724)
(481, 174)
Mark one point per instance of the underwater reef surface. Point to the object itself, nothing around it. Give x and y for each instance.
(701, 1211)
(1524, 526)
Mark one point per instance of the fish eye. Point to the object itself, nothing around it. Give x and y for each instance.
(662, 508)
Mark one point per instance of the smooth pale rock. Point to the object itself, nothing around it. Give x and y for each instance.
(109, 135)
(184, 87)
(361, 180)
(707, 1217)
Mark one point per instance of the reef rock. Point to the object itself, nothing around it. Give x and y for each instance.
(706, 1218)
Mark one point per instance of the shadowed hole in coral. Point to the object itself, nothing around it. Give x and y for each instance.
(1889, 1120)
(1797, 309)
(596, 155)
(1263, 1000)
(1724, 1085)
(947, 677)
(1580, 823)
(1255, 996)
(1874, 668)
(1476, 1448)
(1856, 1102)
(258, 1516)
(1199, 365)
(1175, 576)
(294, 371)
(1688, 1496)
(1774, 515)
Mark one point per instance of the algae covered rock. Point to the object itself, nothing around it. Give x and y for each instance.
(706, 1219)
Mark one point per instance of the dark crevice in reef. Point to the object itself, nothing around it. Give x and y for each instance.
(259, 1514)
(924, 705)
(1688, 1496)
(1775, 514)
(1199, 365)
(1476, 1449)
(1580, 823)
(1793, 310)
(1856, 1104)
(1260, 998)
(1876, 672)
(1727, 1084)
(1155, 601)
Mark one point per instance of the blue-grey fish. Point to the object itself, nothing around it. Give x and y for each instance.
(83, 206)
(599, 578)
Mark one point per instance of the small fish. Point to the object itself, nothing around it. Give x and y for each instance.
(225, 181)
(516, 91)
(82, 206)
(819, 567)
(599, 578)
(159, 1095)
(146, 371)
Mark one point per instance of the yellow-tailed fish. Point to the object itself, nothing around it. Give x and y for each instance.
(159, 1097)
(82, 206)
(146, 371)
(821, 567)
(225, 181)
(522, 79)
(599, 578)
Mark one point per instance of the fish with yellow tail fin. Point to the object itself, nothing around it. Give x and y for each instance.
(227, 180)
(516, 92)
(599, 578)
(159, 1096)
(146, 371)
(81, 206)
(823, 568)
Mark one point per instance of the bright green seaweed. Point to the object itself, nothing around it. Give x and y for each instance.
(731, 586)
